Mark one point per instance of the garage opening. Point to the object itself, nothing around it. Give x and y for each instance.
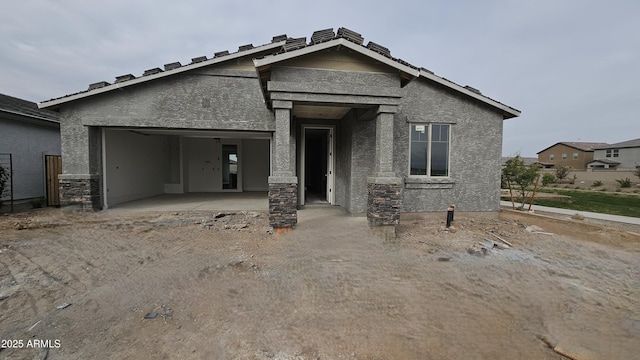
(145, 163)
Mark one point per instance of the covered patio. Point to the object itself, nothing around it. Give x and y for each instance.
(209, 201)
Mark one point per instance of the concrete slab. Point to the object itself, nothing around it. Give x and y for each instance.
(224, 201)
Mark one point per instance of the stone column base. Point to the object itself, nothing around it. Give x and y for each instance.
(283, 204)
(384, 202)
(82, 191)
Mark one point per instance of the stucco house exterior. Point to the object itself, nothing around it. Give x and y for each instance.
(622, 155)
(575, 155)
(327, 118)
(28, 134)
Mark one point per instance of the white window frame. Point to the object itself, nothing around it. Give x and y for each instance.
(575, 156)
(552, 156)
(428, 175)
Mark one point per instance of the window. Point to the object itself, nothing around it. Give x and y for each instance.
(429, 149)
(552, 156)
(575, 156)
(616, 152)
(564, 156)
(612, 153)
(608, 154)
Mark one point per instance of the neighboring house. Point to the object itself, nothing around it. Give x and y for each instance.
(28, 134)
(327, 118)
(575, 155)
(622, 155)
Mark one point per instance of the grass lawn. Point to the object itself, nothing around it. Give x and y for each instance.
(600, 202)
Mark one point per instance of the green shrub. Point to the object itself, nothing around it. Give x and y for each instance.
(597, 183)
(573, 179)
(548, 179)
(37, 203)
(562, 172)
(603, 189)
(624, 183)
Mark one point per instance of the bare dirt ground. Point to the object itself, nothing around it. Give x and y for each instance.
(226, 288)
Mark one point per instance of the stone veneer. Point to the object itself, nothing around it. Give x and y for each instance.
(384, 202)
(82, 192)
(283, 204)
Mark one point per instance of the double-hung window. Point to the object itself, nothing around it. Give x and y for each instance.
(430, 150)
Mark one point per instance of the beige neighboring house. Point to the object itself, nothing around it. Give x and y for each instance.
(622, 155)
(576, 155)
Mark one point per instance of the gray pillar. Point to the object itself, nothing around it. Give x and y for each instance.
(81, 159)
(384, 188)
(283, 184)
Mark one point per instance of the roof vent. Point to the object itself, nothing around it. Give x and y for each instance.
(245, 47)
(152, 71)
(171, 66)
(221, 53)
(122, 78)
(350, 35)
(98, 85)
(473, 89)
(379, 49)
(322, 36)
(279, 38)
(198, 59)
(295, 43)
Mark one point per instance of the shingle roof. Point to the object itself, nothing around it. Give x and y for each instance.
(279, 44)
(604, 161)
(584, 146)
(625, 144)
(16, 106)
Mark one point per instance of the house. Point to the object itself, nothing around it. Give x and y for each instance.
(329, 117)
(27, 135)
(575, 155)
(622, 155)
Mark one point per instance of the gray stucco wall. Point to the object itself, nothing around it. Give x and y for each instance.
(342, 77)
(206, 98)
(628, 158)
(28, 143)
(475, 150)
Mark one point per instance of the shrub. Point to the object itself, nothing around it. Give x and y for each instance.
(4, 176)
(37, 203)
(597, 183)
(603, 189)
(624, 183)
(562, 172)
(548, 179)
(573, 179)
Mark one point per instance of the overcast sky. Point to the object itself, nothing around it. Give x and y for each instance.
(571, 66)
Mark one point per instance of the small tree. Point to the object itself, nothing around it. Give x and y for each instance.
(562, 172)
(517, 173)
(637, 173)
(4, 176)
(548, 179)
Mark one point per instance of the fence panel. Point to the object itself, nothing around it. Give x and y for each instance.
(53, 169)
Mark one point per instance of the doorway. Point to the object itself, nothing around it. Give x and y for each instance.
(317, 165)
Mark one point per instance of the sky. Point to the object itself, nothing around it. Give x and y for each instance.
(571, 66)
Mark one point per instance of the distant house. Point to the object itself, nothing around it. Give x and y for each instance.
(573, 154)
(622, 155)
(28, 134)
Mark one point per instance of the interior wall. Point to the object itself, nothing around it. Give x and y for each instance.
(135, 167)
(255, 165)
(204, 164)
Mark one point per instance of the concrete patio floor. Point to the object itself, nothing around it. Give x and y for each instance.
(247, 201)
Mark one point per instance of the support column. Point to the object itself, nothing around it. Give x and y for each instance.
(283, 184)
(81, 159)
(384, 188)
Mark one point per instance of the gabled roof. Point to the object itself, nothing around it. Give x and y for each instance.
(24, 108)
(625, 144)
(583, 146)
(283, 48)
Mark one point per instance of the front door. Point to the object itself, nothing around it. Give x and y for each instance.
(317, 165)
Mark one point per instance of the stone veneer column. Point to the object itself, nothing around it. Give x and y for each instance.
(384, 188)
(82, 191)
(283, 184)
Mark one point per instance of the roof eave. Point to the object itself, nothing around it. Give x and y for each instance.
(56, 102)
(507, 111)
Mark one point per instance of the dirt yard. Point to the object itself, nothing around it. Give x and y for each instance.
(136, 285)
